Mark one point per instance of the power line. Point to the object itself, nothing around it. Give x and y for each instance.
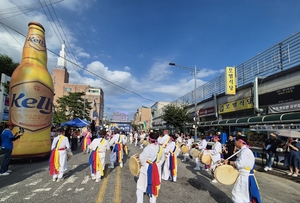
(104, 79)
(19, 10)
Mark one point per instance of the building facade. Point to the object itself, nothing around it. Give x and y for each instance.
(265, 96)
(142, 118)
(95, 95)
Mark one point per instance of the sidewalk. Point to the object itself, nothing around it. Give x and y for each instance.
(278, 170)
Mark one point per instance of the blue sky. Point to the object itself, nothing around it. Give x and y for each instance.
(131, 42)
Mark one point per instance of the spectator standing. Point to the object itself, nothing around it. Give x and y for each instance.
(270, 147)
(229, 149)
(292, 156)
(7, 139)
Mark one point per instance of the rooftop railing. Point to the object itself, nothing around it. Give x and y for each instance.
(281, 56)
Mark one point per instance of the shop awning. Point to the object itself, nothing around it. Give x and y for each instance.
(273, 118)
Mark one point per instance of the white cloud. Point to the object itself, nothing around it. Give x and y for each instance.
(208, 72)
(84, 55)
(127, 68)
(159, 71)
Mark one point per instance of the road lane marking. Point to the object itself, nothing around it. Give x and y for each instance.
(42, 189)
(30, 196)
(3, 199)
(102, 189)
(71, 179)
(78, 190)
(85, 180)
(34, 182)
(118, 186)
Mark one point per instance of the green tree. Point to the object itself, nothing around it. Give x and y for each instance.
(71, 106)
(7, 65)
(134, 126)
(175, 116)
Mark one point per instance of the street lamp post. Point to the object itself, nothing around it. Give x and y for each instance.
(194, 70)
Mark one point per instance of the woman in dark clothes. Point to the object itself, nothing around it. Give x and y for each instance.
(292, 156)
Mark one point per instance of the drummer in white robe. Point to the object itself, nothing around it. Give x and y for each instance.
(115, 140)
(164, 140)
(135, 136)
(178, 142)
(170, 151)
(200, 146)
(152, 154)
(188, 143)
(142, 138)
(99, 145)
(61, 143)
(244, 163)
(215, 152)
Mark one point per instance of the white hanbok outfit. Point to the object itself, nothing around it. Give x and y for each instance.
(201, 146)
(171, 148)
(117, 138)
(130, 138)
(178, 143)
(189, 144)
(244, 163)
(151, 153)
(135, 139)
(215, 152)
(63, 150)
(164, 140)
(142, 137)
(100, 145)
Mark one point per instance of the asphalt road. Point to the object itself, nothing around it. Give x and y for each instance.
(30, 182)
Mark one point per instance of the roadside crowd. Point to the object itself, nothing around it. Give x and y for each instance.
(158, 159)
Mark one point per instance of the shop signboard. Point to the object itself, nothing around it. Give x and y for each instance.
(206, 112)
(230, 81)
(238, 105)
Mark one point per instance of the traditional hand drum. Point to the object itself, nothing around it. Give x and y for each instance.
(184, 149)
(195, 153)
(226, 174)
(145, 143)
(134, 165)
(205, 157)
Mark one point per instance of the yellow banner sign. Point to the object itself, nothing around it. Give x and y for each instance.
(237, 105)
(230, 81)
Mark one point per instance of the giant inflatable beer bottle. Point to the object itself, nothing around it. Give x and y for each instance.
(31, 96)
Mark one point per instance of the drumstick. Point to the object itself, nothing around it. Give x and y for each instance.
(233, 154)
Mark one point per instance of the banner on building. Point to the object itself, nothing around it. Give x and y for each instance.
(242, 104)
(287, 94)
(206, 112)
(230, 81)
(284, 107)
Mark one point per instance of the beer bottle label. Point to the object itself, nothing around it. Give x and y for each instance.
(31, 105)
(37, 42)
